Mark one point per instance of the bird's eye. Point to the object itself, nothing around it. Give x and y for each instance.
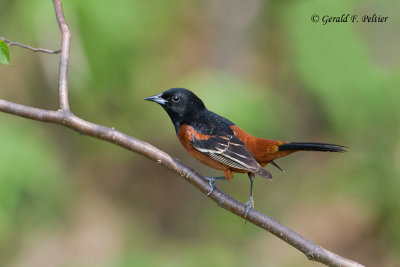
(176, 98)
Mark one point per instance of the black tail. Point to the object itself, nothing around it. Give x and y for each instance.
(312, 147)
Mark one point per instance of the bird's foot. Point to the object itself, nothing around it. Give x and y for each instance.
(211, 182)
(249, 205)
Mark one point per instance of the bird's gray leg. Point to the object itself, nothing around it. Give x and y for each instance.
(250, 202)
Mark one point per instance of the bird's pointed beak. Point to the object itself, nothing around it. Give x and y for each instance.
(156, 98)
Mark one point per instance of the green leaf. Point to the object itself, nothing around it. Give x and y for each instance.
(4, 53)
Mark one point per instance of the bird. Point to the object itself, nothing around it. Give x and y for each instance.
(220, 144)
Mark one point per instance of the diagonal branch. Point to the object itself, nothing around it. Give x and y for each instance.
(66, 118)
(43, 50)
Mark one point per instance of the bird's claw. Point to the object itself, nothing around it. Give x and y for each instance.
(249, 205)
(211, 182)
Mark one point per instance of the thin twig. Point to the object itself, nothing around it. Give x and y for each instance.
(43, 50)
(66, 118)
(65, 45)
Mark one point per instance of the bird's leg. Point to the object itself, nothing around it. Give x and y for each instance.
(250, 202)
(211, 182)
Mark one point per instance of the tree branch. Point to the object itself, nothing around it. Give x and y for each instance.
(65, 44)
(43, 50)
(66, 118)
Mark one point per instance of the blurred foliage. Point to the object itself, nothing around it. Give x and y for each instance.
(32, 184)
(262, 64)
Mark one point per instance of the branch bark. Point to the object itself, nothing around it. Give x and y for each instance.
(65, 117)
(65, 44)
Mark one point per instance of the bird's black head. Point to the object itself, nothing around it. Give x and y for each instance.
(182, 105)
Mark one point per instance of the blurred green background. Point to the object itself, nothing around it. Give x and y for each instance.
(70, 200)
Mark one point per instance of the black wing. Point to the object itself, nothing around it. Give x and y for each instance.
(231, 151)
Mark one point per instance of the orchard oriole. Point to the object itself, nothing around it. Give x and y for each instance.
(220, 144)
